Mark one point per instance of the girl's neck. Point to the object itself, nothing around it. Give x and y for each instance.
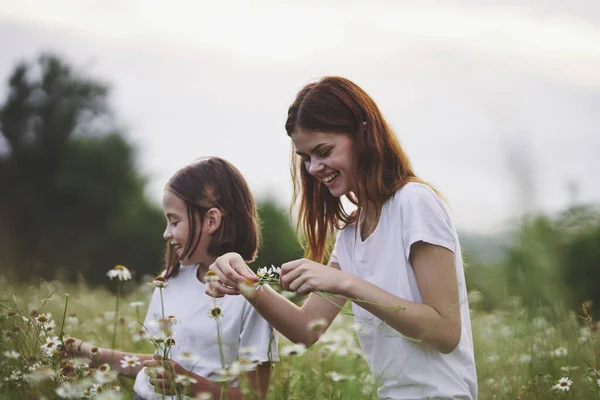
(203, 268)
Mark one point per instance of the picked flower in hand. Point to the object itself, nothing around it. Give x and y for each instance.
(268, 275)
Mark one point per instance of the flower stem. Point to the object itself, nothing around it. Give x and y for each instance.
(114, 341)
(162, 302)
(60, 336)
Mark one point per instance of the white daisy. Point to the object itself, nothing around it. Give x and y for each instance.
(215, 312)
(104, 374)
(293, 350)
(211, 276)
(184, 380)
(564, 384)
(68, 391)
(130, 362)
(11, 354)
(140, 335)
(560, 352)
(121, 272)
(51, 346)
(159, 282)
(337, 377)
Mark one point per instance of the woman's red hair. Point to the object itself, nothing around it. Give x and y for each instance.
(335, 104)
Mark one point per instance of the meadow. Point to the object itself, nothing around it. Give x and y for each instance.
(518, 356)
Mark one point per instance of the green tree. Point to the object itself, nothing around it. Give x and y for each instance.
(70, 196)
(279, 237)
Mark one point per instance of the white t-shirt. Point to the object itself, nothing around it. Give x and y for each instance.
(404, 368)
(195, 333)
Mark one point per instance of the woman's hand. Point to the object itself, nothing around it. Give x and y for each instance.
(168, 377)
(305, 276)
(231, 270)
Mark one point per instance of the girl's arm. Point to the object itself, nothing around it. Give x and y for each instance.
(97, 356)
(436, 321)
(286, 317)
(258, 380)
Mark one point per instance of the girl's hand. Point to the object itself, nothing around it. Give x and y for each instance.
(163, 376)
(231, 270)
(305, 276)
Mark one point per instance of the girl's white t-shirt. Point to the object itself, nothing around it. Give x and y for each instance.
(195, 332)
(404, 369)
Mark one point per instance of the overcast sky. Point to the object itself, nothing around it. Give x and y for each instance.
(497, 105)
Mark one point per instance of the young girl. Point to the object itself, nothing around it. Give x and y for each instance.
(397, 257)
(210, 211)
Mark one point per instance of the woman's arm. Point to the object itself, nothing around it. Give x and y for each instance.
(436, 322)
(289, 319)
(258, 380)
(97, 356)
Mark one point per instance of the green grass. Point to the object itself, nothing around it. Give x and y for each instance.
(517, 355)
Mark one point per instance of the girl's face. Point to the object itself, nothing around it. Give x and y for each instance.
(327, 157)
(178, 230)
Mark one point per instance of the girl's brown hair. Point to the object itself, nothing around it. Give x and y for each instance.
(214, 182)
(335, 104)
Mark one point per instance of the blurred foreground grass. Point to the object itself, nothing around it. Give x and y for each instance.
(518, 355)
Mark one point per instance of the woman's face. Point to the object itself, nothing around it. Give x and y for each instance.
(327, 157)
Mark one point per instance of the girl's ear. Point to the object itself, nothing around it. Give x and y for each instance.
(213, 220)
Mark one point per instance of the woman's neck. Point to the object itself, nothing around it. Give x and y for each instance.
(368, 220)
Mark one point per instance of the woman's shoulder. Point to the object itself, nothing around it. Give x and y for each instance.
(415, 190)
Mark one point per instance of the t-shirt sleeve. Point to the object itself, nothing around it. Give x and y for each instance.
(424, 218)
(257, 336)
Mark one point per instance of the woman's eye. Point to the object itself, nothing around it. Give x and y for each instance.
(325, 153)
(174, 223)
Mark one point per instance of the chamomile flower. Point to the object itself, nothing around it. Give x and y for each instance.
(38, 375)
(317, 326)
(51, 346)
(104, 374)
(337, 377)
(248, 288)
(293, 350)
(136, 304)
(560, 352)
(140, 336)
(95, 351)
(43, 318)
(211, 276)
(184, 380)
(72, 319)
(120, 272)
(14, 376)
(564, 384)
(130, 362)
(188, 357)
(11, 354)
(159, 282)
(215, 312)
(68, 391)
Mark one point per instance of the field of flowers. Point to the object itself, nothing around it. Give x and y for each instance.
(518, 355)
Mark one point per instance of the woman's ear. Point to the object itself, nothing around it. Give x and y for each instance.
(213, 220)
